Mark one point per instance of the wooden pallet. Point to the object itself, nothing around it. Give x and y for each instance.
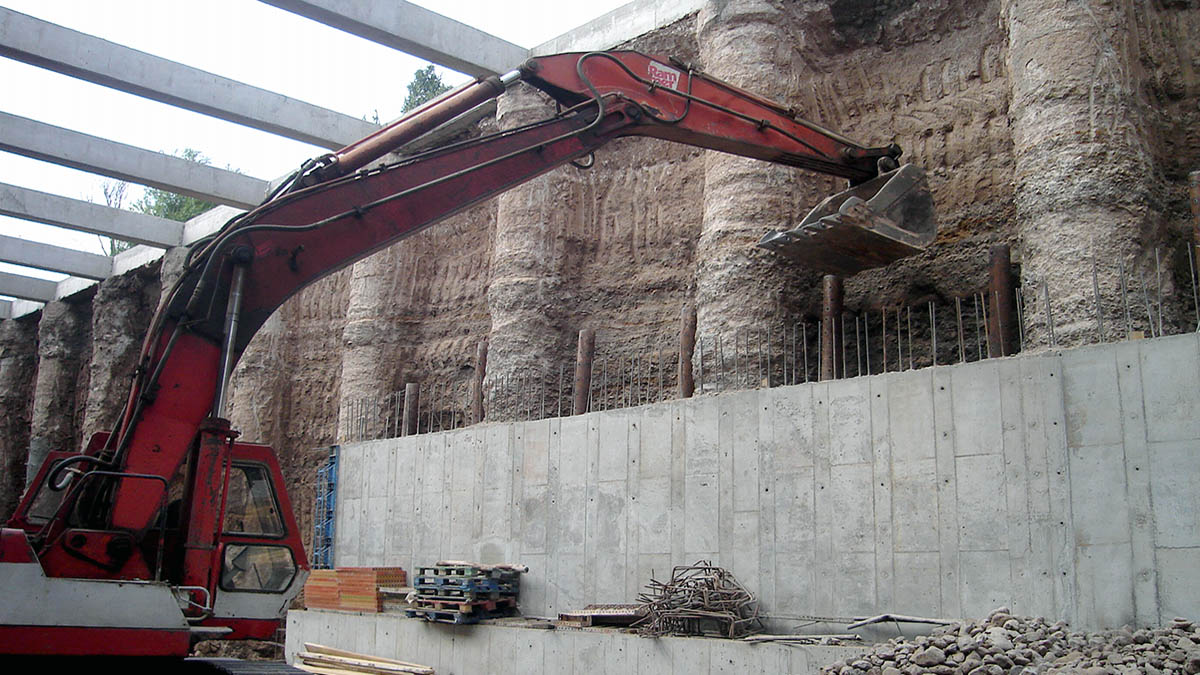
(464, 606)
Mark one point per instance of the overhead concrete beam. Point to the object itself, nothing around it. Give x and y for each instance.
(27, 288)
(75, 214)
(414, 30)
(83, 56)
(126, 162)
(623, 23)
(6, 309)
(54, 258)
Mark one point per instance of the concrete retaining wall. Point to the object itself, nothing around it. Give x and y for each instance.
(500, 650)
(1064, 485)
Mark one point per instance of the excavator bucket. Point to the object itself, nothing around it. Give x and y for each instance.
(870, 225)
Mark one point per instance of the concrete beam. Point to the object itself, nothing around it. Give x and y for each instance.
(80, 55)
(54, 258)
(6, 309)
(49, 143)
(414, 30)
(27, 288)
(74, 214)
(623, 23)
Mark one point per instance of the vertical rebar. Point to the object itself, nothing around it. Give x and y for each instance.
(1192, 274)
(831, 310)
(962, 347)
(867, 338)
(1049, 312)
(804, 342)
(701, 364)
(820, 350)
(1096, 297)
(845, 373)
(1020, 306)
(737, 374)
(986, 326)
(1125, 302)
(858, 350)
(910, 345)
(662, 363)
(559, 398)
(758, 339)
(978, 333)
(1158, 290)
(721, 353)
(796, 356)
(932, 334)
(768, 356)
(899, 341)
(883, 335)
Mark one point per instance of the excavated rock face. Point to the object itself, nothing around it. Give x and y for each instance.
(63, 341)
(121, 313)
(18, 370)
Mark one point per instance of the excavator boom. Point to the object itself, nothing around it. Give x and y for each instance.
(196, 523)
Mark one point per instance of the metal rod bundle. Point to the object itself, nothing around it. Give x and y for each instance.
(699, 599)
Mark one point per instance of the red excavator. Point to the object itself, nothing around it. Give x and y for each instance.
(168, 530)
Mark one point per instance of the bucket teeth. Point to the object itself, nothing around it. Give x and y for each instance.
(870, 225)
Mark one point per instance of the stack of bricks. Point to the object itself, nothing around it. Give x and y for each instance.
(352, 589)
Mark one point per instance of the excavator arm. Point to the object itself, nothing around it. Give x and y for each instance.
(340, 208)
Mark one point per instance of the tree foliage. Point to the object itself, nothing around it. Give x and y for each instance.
(426, 85)
(165, 204)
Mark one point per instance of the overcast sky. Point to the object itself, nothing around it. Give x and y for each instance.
(244, 40)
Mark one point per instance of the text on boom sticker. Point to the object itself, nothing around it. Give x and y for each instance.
(663, 75)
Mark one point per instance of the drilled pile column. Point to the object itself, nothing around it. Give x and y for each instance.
(1084, 171)
(121, 311)
(365, 345)
(18, 369)
(62, 347)
(525, 298)
(741, 42)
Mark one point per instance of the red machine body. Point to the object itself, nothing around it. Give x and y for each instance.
(168, 529)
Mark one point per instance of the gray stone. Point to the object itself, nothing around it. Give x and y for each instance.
(931, 656)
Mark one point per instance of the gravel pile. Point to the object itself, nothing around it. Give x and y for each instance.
(1011, 645)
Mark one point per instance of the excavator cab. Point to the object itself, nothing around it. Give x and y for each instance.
(171, 585)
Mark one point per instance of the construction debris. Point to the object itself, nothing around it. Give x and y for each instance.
(700, 599)
(1004, 644)
(462, 592)
(332, 661)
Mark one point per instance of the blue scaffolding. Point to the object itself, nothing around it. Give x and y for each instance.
(324, 513)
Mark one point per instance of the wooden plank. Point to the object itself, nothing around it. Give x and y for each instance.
(334, 651)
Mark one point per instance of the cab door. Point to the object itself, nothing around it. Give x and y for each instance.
(263, 564)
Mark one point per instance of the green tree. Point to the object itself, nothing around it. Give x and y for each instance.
(426, 85)
(165, 204)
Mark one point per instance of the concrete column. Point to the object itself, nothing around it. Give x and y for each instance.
(365, 340)
(742, 42)
(525, 298)
(62, 345)
(18, 369)
(121, 310)
(1084, 170)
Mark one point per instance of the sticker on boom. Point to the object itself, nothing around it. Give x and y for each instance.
(664, 76)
